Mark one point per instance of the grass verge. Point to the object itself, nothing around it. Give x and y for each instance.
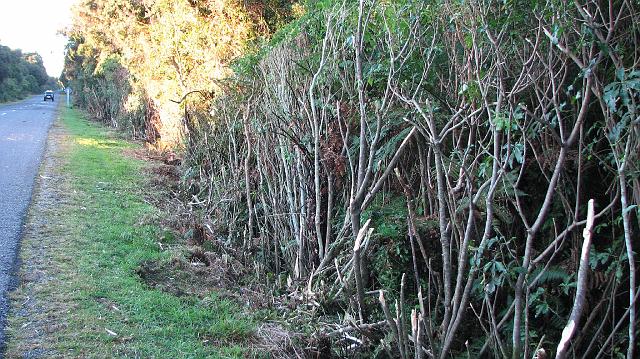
(80, 292)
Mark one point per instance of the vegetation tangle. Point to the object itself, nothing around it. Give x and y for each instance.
(420, 178)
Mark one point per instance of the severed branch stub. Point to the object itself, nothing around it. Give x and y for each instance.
(357, 262)
(581, 290)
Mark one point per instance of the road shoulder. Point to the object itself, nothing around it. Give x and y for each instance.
(29, 321)
(94, 262)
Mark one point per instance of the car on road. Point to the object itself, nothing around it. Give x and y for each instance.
(48, 95)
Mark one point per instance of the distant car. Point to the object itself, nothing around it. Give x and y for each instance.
(48, 95)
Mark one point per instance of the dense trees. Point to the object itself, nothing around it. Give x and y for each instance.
(130, 60)
(22, 74)
(418, 172)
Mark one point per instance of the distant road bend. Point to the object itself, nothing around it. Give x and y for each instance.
(24, 127)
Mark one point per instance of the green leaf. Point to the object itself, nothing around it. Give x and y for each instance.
(518, 153)
(519, 270)
(617, 130)
(490, 287)
(610, 96)
(541, 309)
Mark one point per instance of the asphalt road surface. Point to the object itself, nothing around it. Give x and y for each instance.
(23, 133)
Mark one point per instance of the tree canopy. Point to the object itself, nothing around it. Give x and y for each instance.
(136, 57)
(22, 74)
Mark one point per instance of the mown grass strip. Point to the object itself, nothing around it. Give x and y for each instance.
(112, 233)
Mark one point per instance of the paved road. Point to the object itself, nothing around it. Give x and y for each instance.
(23, 132)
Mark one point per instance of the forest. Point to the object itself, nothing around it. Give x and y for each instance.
(400, 178)
(22, 74)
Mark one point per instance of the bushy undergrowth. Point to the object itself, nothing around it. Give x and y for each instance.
(470, 137)
(417, 173)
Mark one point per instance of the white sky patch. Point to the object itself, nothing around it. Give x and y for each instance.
(33, 26)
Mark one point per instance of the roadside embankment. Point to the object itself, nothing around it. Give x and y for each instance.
(93, 278)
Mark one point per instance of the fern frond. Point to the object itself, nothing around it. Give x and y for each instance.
(552, 274)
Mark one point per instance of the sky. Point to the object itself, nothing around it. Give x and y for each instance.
(33, 25)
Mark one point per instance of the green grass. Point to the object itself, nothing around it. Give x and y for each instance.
(113, 233)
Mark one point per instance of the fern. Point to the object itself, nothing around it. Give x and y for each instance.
(551, 275)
